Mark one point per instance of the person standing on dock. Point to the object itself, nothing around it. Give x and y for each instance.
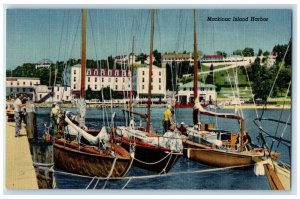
(54, 117)
(167, 118)
(17, 111)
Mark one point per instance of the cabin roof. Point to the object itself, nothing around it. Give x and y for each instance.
(200, 84)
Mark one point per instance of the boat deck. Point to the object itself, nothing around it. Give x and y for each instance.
(20, 172)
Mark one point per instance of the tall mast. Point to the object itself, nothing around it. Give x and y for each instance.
(195, 60)
(83, 54)
(131, 71)
(150, 70)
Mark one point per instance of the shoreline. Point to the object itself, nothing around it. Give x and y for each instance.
(248, 106)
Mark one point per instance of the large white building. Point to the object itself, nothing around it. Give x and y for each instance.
(38, 93)
(158, 82)
(206, 92)
(98, 78)
(24, 85)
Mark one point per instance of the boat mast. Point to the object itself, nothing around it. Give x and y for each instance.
(131, 71)
(150, 70)
(195, 60)
(83, 54)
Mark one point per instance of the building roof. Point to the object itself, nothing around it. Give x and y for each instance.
(97, 72)
(212, 57)
(176, 56)
(24, 78)
(200, 84)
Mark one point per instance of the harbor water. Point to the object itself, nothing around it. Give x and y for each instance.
(185, 174)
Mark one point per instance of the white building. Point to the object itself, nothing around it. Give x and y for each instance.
(206, 92)
(53, 94)
(25, 85)
(121, 59)
(38, 93)
(98, 78)
(158, 82)
(45, 63)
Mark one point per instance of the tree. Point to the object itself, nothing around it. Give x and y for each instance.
(210, 78)
(157, 56)
(141, 57)
(237, 52)
(222, 53)
(248, 52)
(259, 52)
(280, 51)
(266, 53)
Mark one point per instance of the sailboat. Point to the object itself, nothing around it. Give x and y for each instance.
(278, 173)
(218, 148)
(153, 151)
(100, 157)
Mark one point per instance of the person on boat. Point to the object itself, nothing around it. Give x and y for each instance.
(55, 111)
(247, 141)
(196, 109)
(18, 111)
(182, 129)
(167, 118)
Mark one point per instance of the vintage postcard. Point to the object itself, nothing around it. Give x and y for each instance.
(140, 99)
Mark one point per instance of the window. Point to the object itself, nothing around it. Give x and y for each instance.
(143, 73)
(40, 96)
(17, 89)
(159, 80)
(159, 87)
(96, 87)
(74, 79)
(124, 73)
(18, 83)
(30, 83)
(109, 72)
(11, 90)
(116, 79)
(116, 87)
(211, 89)
(102, 79)
(123, 79)
(143, 87)
(57, 88)
(128, 85)
(11, 83)
(143, 79)
(89, 79)
(89, 72)
(159, 73)
(74, 86)
(102, 72)
(57, 96)
(184, 89)
(191, 89)
(116, 73)
(151, 87)
(67, 97)
(23, 83)
(74, 71)
(96, 79)
(95, 72)
(66, 88)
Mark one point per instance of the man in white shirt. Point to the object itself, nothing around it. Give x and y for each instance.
(18, 111)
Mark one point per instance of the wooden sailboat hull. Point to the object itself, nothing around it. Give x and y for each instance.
(214, 157)
(86, 162)
(155, 159)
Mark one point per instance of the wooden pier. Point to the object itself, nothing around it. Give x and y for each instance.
(20, 172)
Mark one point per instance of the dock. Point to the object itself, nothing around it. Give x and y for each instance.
(20, 173)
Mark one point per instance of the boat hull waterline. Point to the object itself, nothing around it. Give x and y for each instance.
(73, 160)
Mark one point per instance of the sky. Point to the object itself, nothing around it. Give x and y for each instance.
(55, 34)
